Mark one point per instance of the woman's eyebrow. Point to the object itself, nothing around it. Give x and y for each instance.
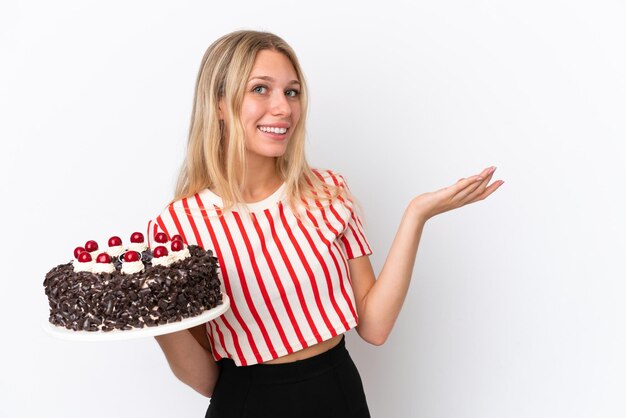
(268, 78)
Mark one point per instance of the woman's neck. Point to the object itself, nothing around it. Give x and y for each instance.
(261, 182)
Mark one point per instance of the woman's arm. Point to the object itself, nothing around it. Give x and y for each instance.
(379, 301)
(190, 358)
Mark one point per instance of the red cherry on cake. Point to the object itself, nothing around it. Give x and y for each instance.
(115, 241)
(159, 252)
(137, 238)
(103, 258)
(131, 256)
(177, 245)
(77, 251)
(84, 257)
(91, 246)
(160, 237)
(177, 238)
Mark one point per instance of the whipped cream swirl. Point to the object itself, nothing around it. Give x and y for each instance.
(180, 255)
(115, 251)
(164, 261)
(103, 268)
(130, 267)
(86, 266)
(138, 246)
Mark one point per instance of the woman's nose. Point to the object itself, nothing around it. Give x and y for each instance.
(280, 104)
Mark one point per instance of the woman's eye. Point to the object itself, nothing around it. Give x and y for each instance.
(259, 89)
(292, 93)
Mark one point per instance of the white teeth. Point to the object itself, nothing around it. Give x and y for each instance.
(272, 130)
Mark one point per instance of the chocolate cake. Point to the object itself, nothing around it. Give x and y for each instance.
(132, 287)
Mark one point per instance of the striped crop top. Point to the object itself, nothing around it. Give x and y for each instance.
(287, 279)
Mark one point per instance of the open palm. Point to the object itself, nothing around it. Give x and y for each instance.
(465, 191)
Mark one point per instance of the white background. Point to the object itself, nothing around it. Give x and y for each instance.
(517, 304)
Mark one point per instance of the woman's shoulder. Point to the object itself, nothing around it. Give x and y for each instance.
(329, 176)
(203, 197)
(180, 215)
(204, 201)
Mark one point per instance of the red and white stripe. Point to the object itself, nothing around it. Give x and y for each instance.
(287, 278)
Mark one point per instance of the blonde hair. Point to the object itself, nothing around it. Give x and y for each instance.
(215, 162)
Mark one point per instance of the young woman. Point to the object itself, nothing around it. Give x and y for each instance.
(290, 243)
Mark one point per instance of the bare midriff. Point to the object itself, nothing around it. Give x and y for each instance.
(305, 353)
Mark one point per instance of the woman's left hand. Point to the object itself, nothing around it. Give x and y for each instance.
(465, 191)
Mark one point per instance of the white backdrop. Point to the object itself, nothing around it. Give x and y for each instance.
(516, 307)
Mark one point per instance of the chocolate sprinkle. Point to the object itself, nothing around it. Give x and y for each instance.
(83, 301)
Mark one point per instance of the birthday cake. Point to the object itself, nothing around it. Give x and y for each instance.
(123, 288)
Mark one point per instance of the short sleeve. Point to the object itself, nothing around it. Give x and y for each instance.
(161, 223)
(152, 229)
(353, 240)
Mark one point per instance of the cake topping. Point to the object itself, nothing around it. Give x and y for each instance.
(136, 237)
(161, 257)
(177, 238)
(115, 241)
(179, 250)
(137, 242)
(131, 256)
(160, 237)
(159, 252)
(103, 268)
(132, 263)
(84, 257)
(91, 246)
(84, 262)
(103, 258)
(103, 264)
(177, 245)
(115, 246)
(77, 251)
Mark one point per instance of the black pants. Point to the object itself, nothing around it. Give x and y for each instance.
(325, 386)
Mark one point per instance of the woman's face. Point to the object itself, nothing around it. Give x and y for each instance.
(271, 105)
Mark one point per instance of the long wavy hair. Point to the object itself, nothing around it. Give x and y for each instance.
(218, 162)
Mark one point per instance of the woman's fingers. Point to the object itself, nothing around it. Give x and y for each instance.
(489, 190)
(483, 191)
(469, 188)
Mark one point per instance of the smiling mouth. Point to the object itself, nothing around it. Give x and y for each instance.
(272, 130)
